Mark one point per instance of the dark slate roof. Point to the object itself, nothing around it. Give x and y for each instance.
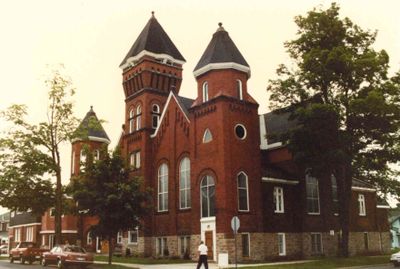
(153, 38)
(278, 123)
(24, 218)
(221, 49)
(91, 126)
(186, 103)
(361, 184)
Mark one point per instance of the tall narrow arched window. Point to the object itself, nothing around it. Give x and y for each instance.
(243, 192)
(163, 187)
(239, 89)
(96, 155)
(312, 192)
(155, 116)
(335, 198)
(131, 121)
(207, 190)
(82, 159)
(184, 183)
(73, 162)
(205, 92)
(138, 117)
(207, 136)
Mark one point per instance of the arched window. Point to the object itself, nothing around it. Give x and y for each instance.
(184, 183)
(239, 89)
(96, 155)
(205, 92)
(207, 190)
(138, 117)
(73, 163)
(207, 137)
(82, 158)
(243, 192)
(335, 198)
(89, 239)
(312, 192)
(131, 121)
(163, 187)
(155, 116)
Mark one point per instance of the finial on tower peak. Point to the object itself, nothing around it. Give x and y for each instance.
(91, 108)
(152, 14)
(220, 28)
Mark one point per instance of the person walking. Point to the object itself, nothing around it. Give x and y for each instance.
(202, 255)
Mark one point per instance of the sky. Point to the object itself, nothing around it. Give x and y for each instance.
(90, 38)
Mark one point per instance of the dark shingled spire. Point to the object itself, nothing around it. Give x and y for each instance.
(154, 39)
(91, 127)
(221, 49)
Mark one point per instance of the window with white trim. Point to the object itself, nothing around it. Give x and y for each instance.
(29, 234)
(161, 246)
(361, 205)
(82, 159)
(279, 200)
(133, 236)
(312, 195)
(131, 121)
(282, 244)
(155, 116)
(239, 89)
(245, 245)
(316, 243)
(163, 187)
(184, 245)
(184, 183)
(243, 192)
(205, 91)
(96, 155)
(138, 117)
(43, 240)
(335, 199)
(207, 191)
(17, 234)
(207, 136)
(119, 237)
(89, 239)
(134, 160)
(73, 163)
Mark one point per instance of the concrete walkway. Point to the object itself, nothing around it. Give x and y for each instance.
(193, 265)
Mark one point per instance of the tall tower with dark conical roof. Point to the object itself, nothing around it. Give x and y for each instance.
(89, 133)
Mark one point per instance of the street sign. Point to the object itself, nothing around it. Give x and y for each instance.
(235, 224)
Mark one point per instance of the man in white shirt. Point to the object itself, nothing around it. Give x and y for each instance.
(202, 255)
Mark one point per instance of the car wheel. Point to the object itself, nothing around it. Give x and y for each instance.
(30, 261)
(11, 259)
(22, 259)
(43, 262)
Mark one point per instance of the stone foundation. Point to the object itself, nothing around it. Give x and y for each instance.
(264, 246)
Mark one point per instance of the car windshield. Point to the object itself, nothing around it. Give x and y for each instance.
(74, 249)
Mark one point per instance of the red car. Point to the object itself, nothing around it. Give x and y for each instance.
(26, 251)
(65, 255)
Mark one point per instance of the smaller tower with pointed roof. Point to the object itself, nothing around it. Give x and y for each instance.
(89, 133)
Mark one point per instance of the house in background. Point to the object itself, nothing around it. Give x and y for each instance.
(24, 226)
(4, 224)
(395, 231)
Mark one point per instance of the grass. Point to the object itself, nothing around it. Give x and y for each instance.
(330, 263)
(138, 260)
(106, 266)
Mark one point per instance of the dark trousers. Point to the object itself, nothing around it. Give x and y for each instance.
(202, 260)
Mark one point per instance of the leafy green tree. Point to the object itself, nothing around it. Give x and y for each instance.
(30, 153)
(104, 189)
(346, 105)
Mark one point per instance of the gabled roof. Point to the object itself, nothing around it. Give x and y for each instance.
(221, 50)
(91, 128)
(153, 39)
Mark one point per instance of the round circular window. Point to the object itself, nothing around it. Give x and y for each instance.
(240, 131)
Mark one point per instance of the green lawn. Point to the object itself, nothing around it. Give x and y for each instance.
(138, 260)
(330, 263)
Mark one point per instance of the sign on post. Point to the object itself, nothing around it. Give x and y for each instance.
(235, 224)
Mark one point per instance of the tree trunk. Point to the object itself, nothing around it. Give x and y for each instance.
(58, 209)
(344, 186)
(110, 249)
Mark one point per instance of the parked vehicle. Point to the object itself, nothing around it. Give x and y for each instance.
(395, 259)
(4, 249)
(65, 255)
(26, 251)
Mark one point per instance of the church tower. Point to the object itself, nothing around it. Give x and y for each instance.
(226, 142)
(91, 134)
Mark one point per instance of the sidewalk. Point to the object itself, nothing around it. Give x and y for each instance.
(193, 265)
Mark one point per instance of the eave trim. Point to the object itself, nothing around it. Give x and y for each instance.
(130, 60)
(217, 66)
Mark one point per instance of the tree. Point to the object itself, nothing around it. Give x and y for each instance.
(30, 154)
(104, 189)
(346, 105)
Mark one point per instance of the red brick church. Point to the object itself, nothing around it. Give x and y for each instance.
(208, 159)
